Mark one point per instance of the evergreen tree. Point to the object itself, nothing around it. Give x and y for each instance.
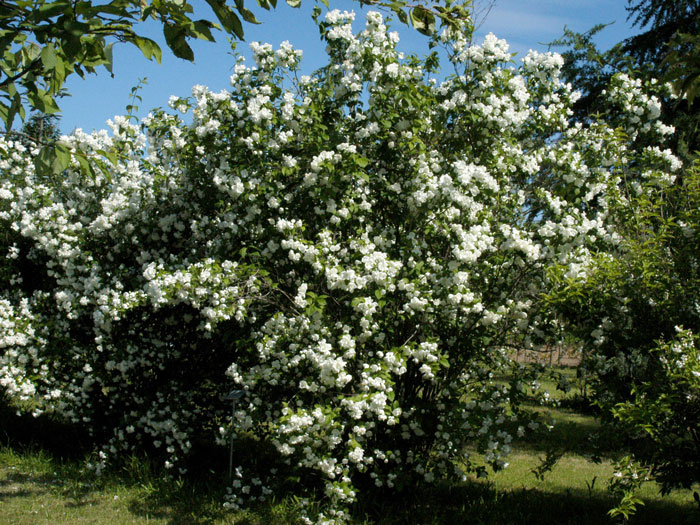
(40, 128)
(664, 19)
(665, 50)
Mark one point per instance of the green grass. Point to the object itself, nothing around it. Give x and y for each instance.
(37, 488)
(584, 485)
(40, 484)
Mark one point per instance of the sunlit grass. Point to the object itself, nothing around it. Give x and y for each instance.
(36, 488)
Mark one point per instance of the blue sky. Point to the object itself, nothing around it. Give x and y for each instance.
(524, 24)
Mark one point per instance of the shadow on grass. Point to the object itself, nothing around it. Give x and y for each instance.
(8, 491)
(583, 438)
(149, 495)
(196, 500)
(13, 478)
(573, 432)
(195, 506)
(480, 503)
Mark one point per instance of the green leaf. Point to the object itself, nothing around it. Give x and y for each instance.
(85, 167)
(110, 156)
(403, 17)
(362, 162)
(236, 26)
(52, 160)
(109, 58)
(248, 15)
(5, 113)
(29, 53)
(202, 30)
(49, 10)
(148, 47)
(294, 3)
(230, 22)
(48, 57)
(71, 46)
(415, 20)
(75, 28)
(79, 71)
(422, 20)
(59, 74)
(43, 101)
(63, 156)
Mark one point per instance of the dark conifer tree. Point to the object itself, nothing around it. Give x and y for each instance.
(659, 51)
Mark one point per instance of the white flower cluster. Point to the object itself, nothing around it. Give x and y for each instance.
(640, 105)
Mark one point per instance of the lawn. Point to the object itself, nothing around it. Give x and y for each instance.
(38, 485)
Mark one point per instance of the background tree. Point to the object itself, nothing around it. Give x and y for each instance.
(683, 62)
(658, 52)
(40, 129)
(663, 19)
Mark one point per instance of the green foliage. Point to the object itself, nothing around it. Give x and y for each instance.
(638, 315)
(134, 97)
(665, 413)
(40, 128)
(547, 464)
(589, 68)
(683, 62)
(625, 483)
(44, 42)
(661, 20)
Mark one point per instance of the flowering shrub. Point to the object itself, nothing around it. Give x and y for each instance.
(356, 250)
(664, 413)
(639, 290)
